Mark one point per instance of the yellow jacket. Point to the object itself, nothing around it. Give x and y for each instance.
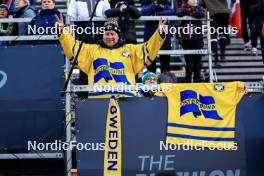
(112, 66)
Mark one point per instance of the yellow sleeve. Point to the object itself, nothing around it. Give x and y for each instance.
(144, 54)
(67, 43)
(70, 46)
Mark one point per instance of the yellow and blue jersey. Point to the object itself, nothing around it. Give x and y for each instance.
(112, 66)
(203, 113)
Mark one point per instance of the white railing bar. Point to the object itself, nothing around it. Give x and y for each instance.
(251, 86)
(142, 18)
(39, 155)
(183, 52)
(28, 37)
(145, 18)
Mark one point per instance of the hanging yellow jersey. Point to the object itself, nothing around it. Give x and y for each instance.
(112, 66)
(203, 114)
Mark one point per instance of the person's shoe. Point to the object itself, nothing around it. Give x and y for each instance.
(247, 46)
(254, 51)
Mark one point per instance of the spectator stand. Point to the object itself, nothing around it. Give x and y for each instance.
(61, 5)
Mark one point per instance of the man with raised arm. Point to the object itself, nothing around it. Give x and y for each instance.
(111, 61)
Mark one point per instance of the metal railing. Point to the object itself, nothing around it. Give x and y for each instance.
(72, 19)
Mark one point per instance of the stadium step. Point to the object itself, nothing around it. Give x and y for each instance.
(242, 71)
(239, 64)
(245, 78)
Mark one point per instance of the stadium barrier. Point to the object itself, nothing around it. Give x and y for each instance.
(31, 108)
(144, 153)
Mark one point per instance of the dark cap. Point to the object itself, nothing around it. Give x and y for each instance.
(112, 25)
(4, 6)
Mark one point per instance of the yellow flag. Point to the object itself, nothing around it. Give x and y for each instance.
(113, 143)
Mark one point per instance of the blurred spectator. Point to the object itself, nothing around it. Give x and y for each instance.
(3, 11)
(230, 4)
(219, 13)
(45, 19)
(125, 13)
(11, 6)
(257, 13)
(149, 78)
(157, 8)
(3, 26)
(23, 11)
(84, 9)
(167, 77)
(247, 21)
(192, 41)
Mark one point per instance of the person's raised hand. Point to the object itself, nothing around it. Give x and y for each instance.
(162, 25)
(59, 22)
(123, 8)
